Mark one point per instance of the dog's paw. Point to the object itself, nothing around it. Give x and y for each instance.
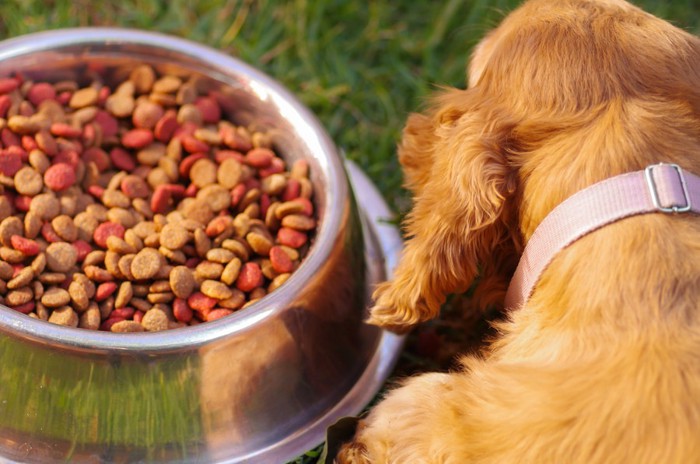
(395, 311)
(352, 453)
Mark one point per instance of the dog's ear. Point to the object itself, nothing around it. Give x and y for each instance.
(456, 163)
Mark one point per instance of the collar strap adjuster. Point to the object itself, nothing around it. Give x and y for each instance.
(674, 198)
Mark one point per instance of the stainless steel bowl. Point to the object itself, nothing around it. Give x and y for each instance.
(258, 386)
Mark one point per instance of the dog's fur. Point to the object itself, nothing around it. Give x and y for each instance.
(602, 364)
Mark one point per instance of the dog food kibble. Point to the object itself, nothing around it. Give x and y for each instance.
(138, 208)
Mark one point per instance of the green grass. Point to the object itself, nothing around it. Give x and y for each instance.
(360, 66)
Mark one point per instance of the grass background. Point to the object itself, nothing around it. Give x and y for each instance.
(360, 66)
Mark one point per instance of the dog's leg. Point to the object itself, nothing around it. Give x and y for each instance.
(409, 426)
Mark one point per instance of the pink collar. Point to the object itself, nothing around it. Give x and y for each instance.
(659, 188)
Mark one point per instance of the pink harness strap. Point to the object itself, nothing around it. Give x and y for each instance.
(659, 188)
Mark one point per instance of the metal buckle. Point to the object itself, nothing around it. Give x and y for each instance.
(655, 194)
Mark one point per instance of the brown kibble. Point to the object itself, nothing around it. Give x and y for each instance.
(298, 222)
(259, 243)
(124, 295)
(120, 105)
(64, 316)
(55, 297)
(182, 281)
(217, 197)
(78, 293)
(174, 236)
(142, 77)
(61, 256)
(90, 319)
(19, 297)
(167, 84)
(146, 264)
(127, 326)
(229, 173)
(220, 255)
(155, 320)
(28, 181)
(278, 281)
(231, 271)
(21, 279)
(216, 289)
(46, 205)
(6, 271)
(235, 301)
(203, 172)
(83, 97)
(64, 226)
(8, 227)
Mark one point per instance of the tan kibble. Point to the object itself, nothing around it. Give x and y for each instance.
(6, 271)
(28, 181)
(167, 84)
(64, 226)
(299, 222)
(8, 227)
(208, 136)
(208, 270)
(61, 256)
(46, 205)
(189, 113)
(146, 264)
(90, 319)
(220, 255)
(235, 301)
(229, 173)
(79, 296)
(6, 207)
(142, 78)
(231, 271)
(120, 105)
(83, 97)
(19, 297)
(237, 247)
(21, 279)
(202, 243)
(115, 198)
(155, 320)
(198, 210)
(64, 316)
(55, 297)
(86, 225)
(274, 184)
(127, 327)
(217, 197)
(52, 278)
(174, 236)
(259, 243)
(151, 155)
(203, 172)
(124, 295)
(38, 160)
(215, 289)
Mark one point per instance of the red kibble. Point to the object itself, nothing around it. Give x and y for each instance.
(122, 159)
(9, 138)
(264, 204)
(187, 162)
(10, 163)
(96, 191)
(5, 104)
(98, 156)
(160, 200)
(280, 260)
(40, 92)
(191, 191)
(59, 176)
(83, 248)
(250, 277)
(134, 187)
(221, 155)
(291, 238)
(251, 183)
(126, 312)
(193, 145)
(16, 268)
(25, 308)
(105, 290)
(209, 108)
(23, 202)
(70, 157)
(276, 166)
(17, 150)
(27, 246)
(166, 127)
(137, 138)
(259, 157)
(185, 129)
(61, 129)
(138, 316)
(28, 143)
(292, 190)
(198, 301)
(108, 124)
(237, 194)
(308, 207)
(103, 94)
(49, 234)
(218, 225)
(218, 313)
(64, 97)
(192, 262)
(106, 230)
(176, 190)
(181, 310)
(89, 134)
(108, 323)
(8, 84)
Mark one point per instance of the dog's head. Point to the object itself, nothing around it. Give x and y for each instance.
(562, 94)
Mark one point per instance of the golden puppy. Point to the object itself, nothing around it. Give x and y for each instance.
(602, 363)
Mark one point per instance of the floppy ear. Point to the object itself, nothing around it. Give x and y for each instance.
(455, 163)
